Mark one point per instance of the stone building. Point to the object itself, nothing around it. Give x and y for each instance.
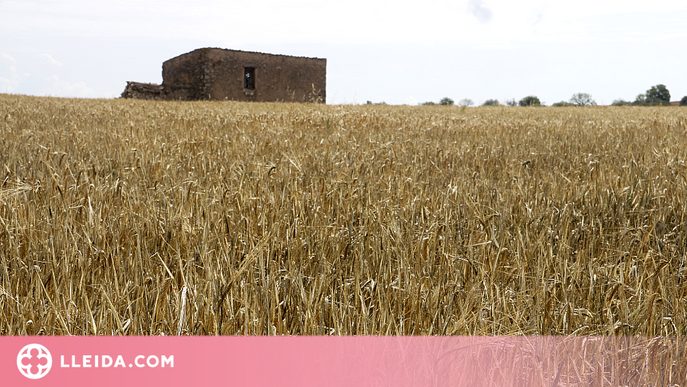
(220, 74)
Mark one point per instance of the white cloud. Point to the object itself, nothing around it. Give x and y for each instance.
(50, 59)
(59, 87)
(410, 101)
(7, 85)
(10, 78)
(480, 10)
(8, 57)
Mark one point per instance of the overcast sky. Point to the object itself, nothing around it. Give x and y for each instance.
(398, 52)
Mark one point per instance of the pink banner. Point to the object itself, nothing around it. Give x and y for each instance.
(342, 361)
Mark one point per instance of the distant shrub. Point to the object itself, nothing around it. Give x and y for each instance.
(465, 102)
(640, 100)
(683, 101)
(530, 101)
(446, 101)
(563, 104)
(429, 103)
(511, 102)
(491, 102)
(620, 102)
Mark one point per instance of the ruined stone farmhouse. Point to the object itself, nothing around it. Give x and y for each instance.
(219, 74)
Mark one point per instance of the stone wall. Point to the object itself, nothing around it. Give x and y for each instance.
(219, 74)
(140, 90)
(183, 77)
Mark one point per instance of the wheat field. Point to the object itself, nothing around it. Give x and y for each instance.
(121, 217)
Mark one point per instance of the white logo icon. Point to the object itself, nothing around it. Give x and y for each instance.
(34, 361)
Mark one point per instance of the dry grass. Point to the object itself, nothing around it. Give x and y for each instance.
(147, 218)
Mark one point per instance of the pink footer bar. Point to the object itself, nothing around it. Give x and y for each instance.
(342, 361)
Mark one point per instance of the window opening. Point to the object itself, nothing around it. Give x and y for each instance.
(249, 78)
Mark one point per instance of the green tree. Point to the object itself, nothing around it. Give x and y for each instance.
(530, 101)
(446, 101)
(582, 99)
(683, 101)
(658, 95)
(491, 102)
(511, 102)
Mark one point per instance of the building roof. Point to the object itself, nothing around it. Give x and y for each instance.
(249, 52)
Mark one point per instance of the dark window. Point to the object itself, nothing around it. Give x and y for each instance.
(249, 78)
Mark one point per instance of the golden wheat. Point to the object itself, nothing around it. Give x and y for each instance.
(145, 218)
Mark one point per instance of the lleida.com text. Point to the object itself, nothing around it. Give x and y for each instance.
(107, 361)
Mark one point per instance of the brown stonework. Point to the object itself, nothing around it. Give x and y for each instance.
(142, 91)
(220, 74)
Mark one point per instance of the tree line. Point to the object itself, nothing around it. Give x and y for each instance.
(656, 96)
